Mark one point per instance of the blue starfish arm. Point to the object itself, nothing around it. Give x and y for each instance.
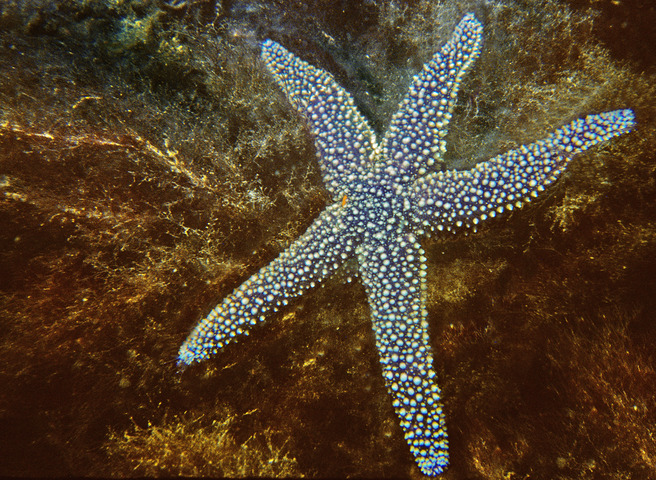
(343, 139)
(455, 199)
(314, 256)
(416, 134)
(393, 272)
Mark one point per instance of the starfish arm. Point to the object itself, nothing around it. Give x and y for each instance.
(314, 256)
(393, 273)
(344, 141)
(416, 134)
(455, 199)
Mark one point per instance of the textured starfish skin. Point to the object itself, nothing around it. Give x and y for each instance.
(384, 199)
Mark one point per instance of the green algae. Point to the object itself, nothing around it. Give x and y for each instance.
(148, 165)
(187, 447)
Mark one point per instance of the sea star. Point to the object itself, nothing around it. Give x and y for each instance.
(384, 198)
